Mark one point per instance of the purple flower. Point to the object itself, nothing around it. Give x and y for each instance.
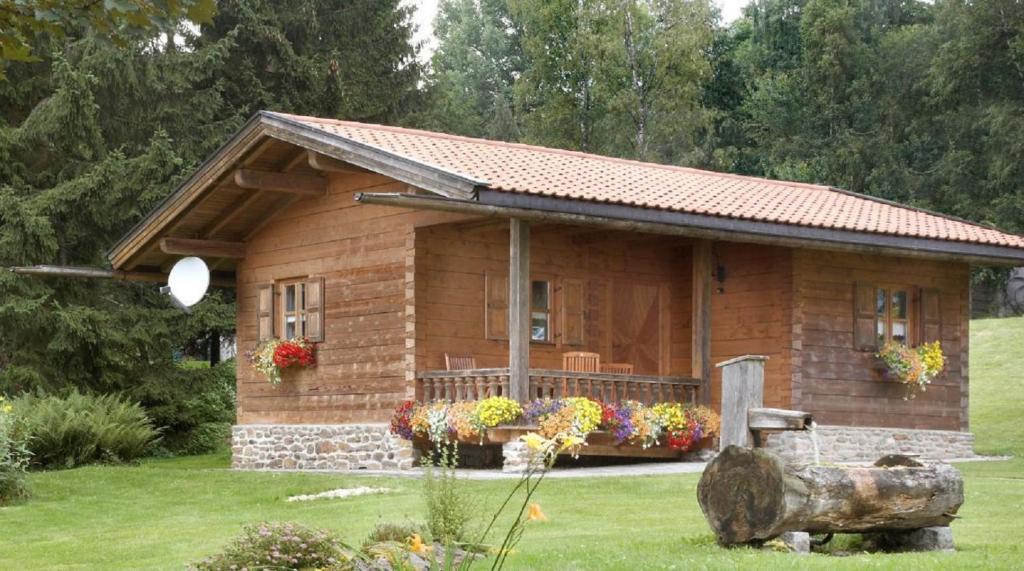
(538, 409)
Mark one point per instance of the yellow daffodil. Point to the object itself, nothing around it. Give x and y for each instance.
(416, 544)
(535, 514)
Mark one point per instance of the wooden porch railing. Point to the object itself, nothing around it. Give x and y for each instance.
(476, 384)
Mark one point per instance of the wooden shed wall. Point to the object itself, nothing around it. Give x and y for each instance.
(751, 314)
(362, 252)
(837, 383)
(618, 269)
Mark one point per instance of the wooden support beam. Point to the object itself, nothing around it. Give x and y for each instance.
(219, 280)
(519, 310)
(202, 248)
(232, 212)
(300, 184)
(700, 329)
(329, 164)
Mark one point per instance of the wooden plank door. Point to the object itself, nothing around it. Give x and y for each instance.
(637, 326)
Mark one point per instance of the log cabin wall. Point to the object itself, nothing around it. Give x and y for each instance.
(362, 252)
(751, 314)
(636, 289)
(841, 385)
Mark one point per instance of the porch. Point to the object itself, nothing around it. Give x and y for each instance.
(478, 384)
(516, 300)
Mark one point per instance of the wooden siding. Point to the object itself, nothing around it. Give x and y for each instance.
(365, 256)
(839, 384)
(751, 314)
(626, 279)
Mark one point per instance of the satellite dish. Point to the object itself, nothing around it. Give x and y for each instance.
(188, 281)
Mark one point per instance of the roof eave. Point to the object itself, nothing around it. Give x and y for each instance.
(738, 230)
(273, 125)
(632, 218)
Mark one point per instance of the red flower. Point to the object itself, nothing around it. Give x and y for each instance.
(294, 353)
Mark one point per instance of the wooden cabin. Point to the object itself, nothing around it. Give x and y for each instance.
(427, 265)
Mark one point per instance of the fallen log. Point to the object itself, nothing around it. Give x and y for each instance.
(748, 495)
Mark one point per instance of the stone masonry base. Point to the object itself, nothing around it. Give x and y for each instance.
(318, 447)
(860, 444)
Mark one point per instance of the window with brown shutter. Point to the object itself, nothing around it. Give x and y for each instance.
(572, 311)
(314, 299)
(265, 312)
(884, 313)
(496, 306)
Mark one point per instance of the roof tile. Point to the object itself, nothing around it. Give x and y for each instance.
(519, 168)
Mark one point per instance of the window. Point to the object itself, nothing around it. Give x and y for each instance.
(892, 315)
(540, 310)
(293, 310)
(290, 308)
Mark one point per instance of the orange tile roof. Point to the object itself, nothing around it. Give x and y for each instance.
(543, 171)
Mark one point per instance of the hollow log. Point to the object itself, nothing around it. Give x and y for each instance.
(748, 495)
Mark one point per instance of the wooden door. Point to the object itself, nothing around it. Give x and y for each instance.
(637, 326)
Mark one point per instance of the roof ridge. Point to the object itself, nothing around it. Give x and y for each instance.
(552, 150)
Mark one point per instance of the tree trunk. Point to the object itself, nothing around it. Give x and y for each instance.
(751, 494)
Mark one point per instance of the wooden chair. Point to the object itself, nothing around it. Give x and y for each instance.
(459, 362)
(581, 362)
(617, 368)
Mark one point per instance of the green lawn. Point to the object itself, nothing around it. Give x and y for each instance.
(166, 512)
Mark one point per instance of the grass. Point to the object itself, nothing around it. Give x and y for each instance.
(163, 513)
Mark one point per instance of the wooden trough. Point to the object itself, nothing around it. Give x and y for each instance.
(751, 495)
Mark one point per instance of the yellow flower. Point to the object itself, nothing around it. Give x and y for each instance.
(535, 514)
(571, 442)
(416, 544)
(535, 441)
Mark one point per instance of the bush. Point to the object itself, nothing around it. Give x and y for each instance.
(13, 455)
(77, 429)
(392, 532)
(196, 409)
(280, 546)
(449, 508)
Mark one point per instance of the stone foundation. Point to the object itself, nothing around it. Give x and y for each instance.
(319, 447)
(860, 444)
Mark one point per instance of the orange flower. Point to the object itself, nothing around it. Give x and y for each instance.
(416, 544)
(535, 514)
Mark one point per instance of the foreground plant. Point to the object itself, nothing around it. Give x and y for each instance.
(543, 454)
(14, 455)
(281, 546)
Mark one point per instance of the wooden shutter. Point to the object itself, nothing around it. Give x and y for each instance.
(572, 310)
(265, 312)
(865, 332)
(931, 316)
(315, 309)
(496, 306)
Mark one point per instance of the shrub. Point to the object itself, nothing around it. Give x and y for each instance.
(449, 508)
(280, 546)
(393, 532)
(13, 455)
(77, 429)
(195, 409)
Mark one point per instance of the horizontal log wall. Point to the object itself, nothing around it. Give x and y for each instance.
(751, 314)
(452, 262)
(838, 384)
(362, 253)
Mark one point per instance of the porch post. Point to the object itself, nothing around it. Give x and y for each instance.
(519, 310)
(700, 328)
